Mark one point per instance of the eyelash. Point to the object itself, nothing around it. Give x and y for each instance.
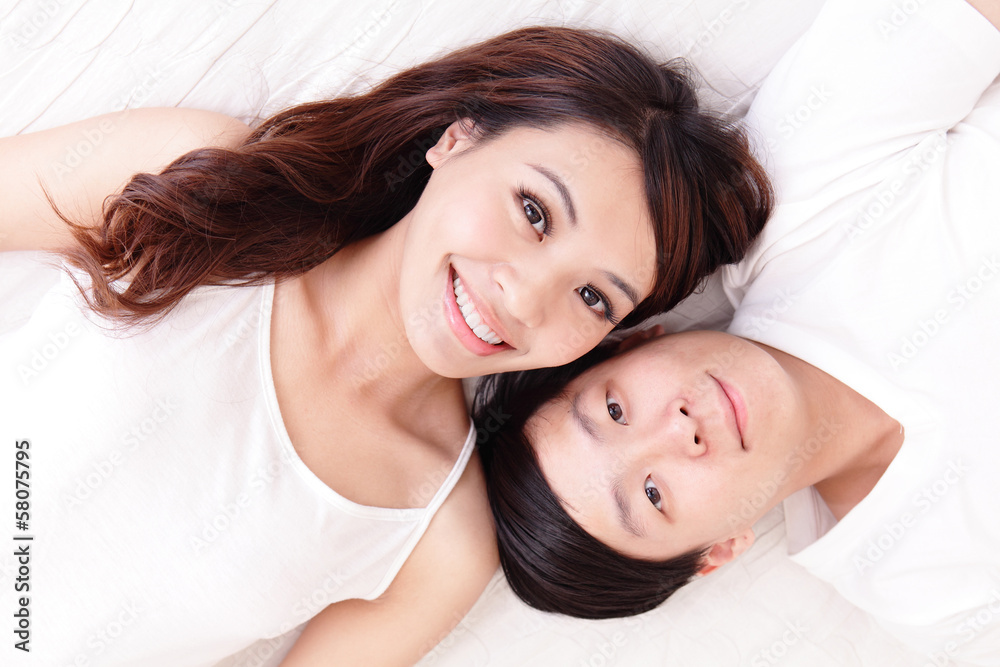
(609, 401)
(609, 312)
(536, 201)
(646, 486)
(527, 195)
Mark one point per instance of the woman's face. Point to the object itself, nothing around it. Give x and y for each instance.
(679, 444)
(524, 250)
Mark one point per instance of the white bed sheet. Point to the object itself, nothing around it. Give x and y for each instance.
(63, 60)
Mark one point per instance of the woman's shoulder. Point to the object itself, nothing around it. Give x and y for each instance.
(461, 532)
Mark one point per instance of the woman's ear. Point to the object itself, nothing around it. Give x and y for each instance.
(723, 552)
(456, 138)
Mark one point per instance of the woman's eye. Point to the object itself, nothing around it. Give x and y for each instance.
(593, 299)
(598, 303)
(616, 412)
(535, 216)
(653, 493)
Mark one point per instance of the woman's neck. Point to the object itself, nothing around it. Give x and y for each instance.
(351, 302)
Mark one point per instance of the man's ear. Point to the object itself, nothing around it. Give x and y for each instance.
(723, 552)
(634, 339)
(456, 138)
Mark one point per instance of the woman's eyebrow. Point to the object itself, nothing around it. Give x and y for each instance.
(560, 186)
(625, 288)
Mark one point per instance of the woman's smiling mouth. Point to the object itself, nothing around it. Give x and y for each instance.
(472, 316)
(469, 322)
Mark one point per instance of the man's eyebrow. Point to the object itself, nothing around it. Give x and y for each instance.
(586, 424)
(561, 188)
(625, 516)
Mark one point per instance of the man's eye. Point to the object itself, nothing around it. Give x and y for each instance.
(653, 493)
(616, 412)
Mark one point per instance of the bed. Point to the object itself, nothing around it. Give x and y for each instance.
(63, 60)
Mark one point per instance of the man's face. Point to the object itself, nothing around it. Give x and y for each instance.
(679, 444)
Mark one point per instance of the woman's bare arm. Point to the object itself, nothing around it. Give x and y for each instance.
(80, 164)
(437, 585)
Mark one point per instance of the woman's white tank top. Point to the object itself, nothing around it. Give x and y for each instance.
(169, 519)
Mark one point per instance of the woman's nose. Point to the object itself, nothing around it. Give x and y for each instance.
(526, 293)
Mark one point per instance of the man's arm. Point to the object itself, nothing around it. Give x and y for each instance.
(80, 164)
(988, 8)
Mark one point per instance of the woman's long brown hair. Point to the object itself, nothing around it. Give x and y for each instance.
(318, 176)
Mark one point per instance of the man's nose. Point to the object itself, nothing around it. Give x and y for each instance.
(679, 430)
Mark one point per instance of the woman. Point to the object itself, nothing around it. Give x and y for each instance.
(255, 354)
(856, 381)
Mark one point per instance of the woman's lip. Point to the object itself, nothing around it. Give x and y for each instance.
(460, 327)
(738, 407)
(485, 311)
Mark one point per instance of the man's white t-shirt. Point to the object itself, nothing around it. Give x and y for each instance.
(881, 266)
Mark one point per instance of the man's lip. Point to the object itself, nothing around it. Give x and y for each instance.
(737, 406)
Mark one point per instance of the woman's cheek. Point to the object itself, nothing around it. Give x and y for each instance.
(575, 338)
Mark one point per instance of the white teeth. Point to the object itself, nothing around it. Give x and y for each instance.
(472, 317)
